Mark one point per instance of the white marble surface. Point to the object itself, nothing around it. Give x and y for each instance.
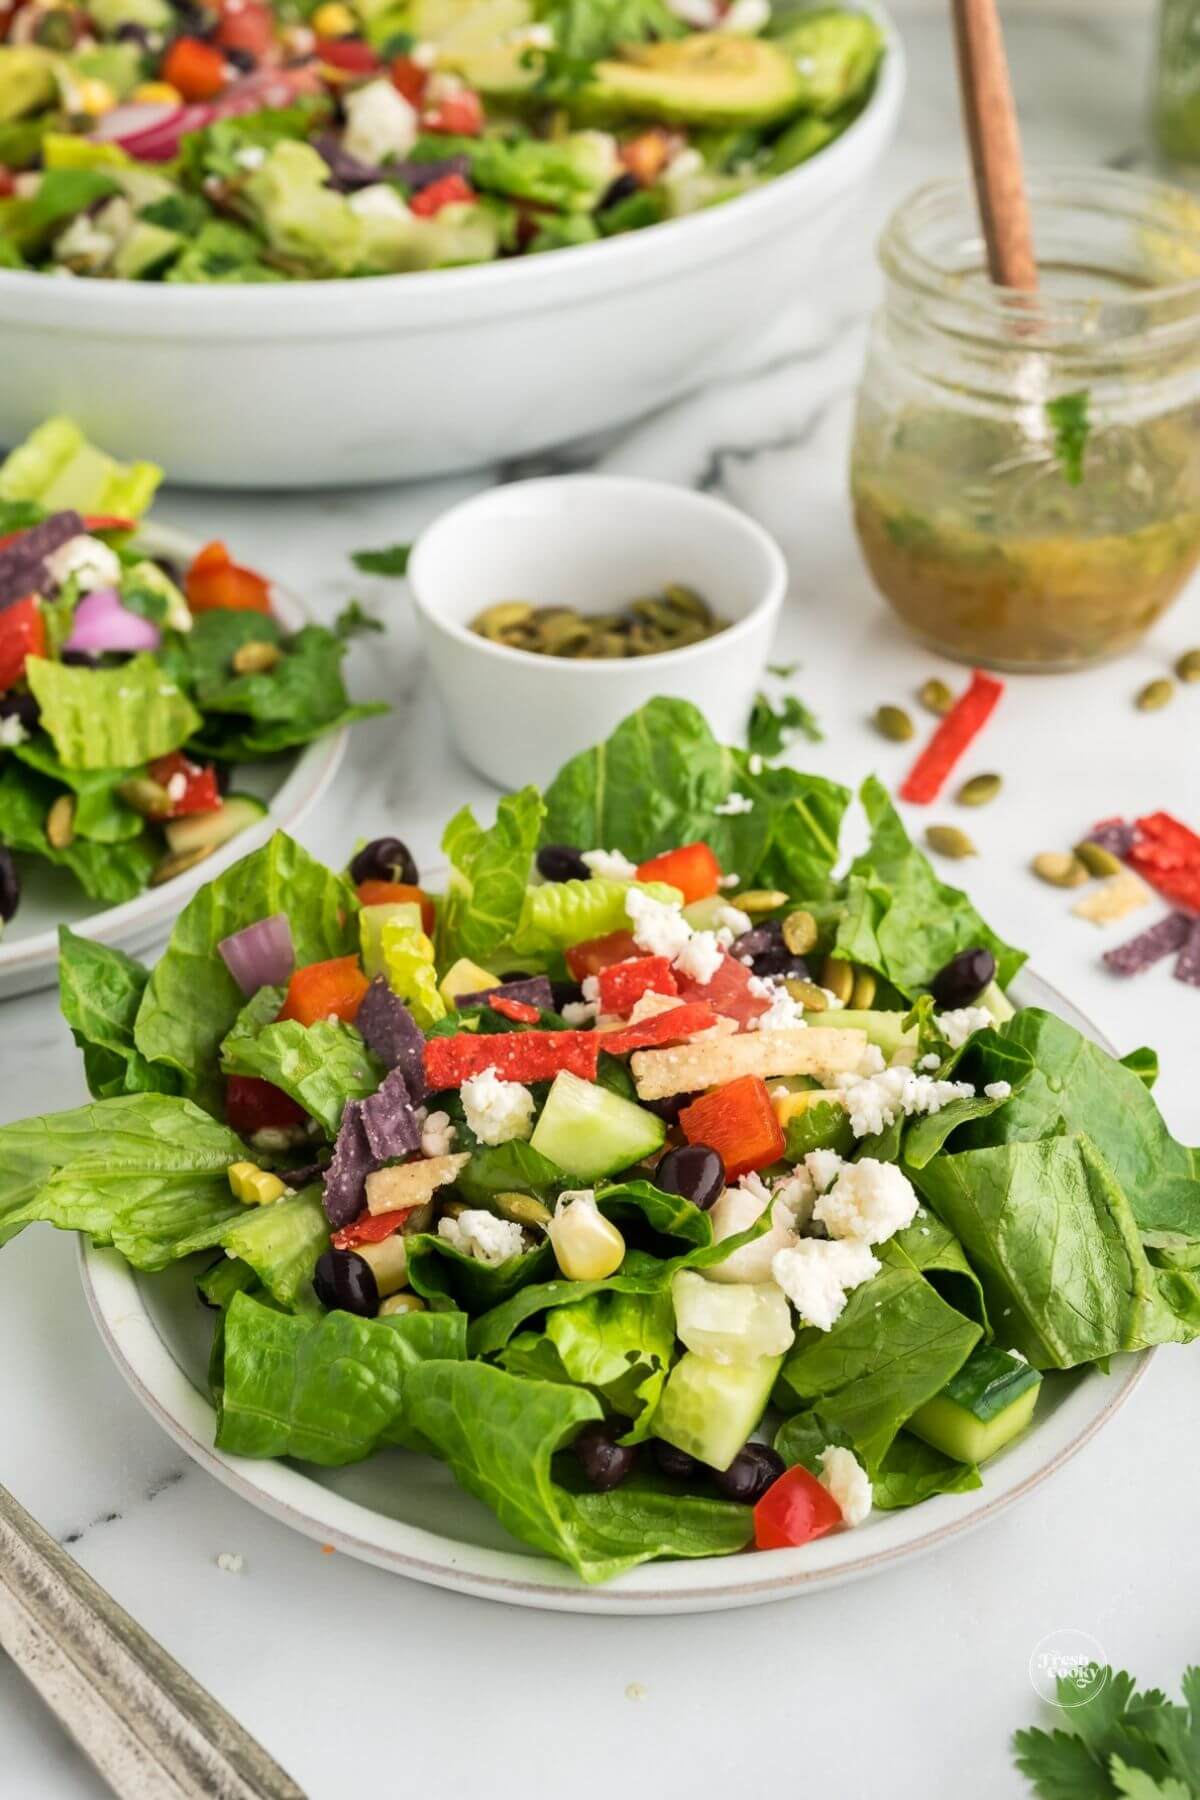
(905, 1686)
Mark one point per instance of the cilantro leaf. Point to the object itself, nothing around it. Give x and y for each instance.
(392, 561)
(355, 619)
(771, 727)
(1121, 1746)
(1069, 416)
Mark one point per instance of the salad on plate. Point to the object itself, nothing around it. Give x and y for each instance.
(132, 683)
(681, 1190)
(238, 141)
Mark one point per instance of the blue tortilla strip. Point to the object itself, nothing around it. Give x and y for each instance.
(1113, 835)
(23, 562)
(534, 991)
(389, 1029)
(1149, 947)
(389, 1121)
(1187, 963)
(348, 172)
(353, 1160)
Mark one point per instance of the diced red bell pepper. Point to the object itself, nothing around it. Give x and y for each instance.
(729, 992)
(197, 69)
(253, 1105)
(794, 1510)
(515, 1056)
(671, 1027)
(325, 990)
(8, 182)
(965, 720)
(623, 984)
(398, 893)
(1166, 853)
(647, 155)
(199, 793)
(349, 55)
(408, 79)
(246, 25)
(519, 1011)
(595, 954)
(95, 522)
(739, 1122)
(458, 115)
(22, 634)
(369, 1228)
(214, 582)
(448, 190)
(693, 869)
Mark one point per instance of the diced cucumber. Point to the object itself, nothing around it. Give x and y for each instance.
(466, 977)
(981, 1408)
(709, 1408)
(733, 1322)
(204, 831)
(590, 1131)
(704, 915)
(997, 1003)
(886, 1029)
(371, 921)
(145, 250)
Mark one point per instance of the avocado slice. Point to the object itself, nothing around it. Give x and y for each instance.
(26, 81)
(146, 251)
(707, 78)
(834, 54)
(981, 1408)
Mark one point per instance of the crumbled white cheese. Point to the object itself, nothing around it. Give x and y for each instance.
(746, 18)
(177, 787)
(658, 928)
(998, 1090)
(735, 1211)
(84, 245)
(843, 1476)
(931, 1061)
(732, 880)
(590, 987)
(876, 1101)
(735, 803)
(683, 166)
(823, 1168)
(424, 55)
(442, 85)
(610, 865)
(732, 919)
(378, 202)
(231, 1561)
(250, 156)
(497, 1110)
(482, 1235)
(870, 1201)
(816, 1274)
(700, 957)
(797, 1193)
(91, 562)
(12, 732)
(437, 1134)
(957, 1027)
(783, 1014)
(755, 762)
(380, 123)
(578, 1013)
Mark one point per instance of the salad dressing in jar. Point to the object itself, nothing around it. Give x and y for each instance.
(1026, 467)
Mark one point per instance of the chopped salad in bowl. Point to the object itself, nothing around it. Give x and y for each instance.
(680, 1192)
(157, 140)
(132, 682)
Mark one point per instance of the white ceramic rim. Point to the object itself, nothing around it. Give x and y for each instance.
(666, 494)
(315, 767)
(296, 1500)
(133, 307)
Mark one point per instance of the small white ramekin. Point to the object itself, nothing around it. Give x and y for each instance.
(594, 542)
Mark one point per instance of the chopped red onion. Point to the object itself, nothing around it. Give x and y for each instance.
(260, 955)
(102, 623)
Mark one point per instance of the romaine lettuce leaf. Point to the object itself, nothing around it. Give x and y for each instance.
(100, 813)
(60, 469)
(560, 913)
(327, 1390)
(512, 1168)
(100, 990)
(451, 1281)
(192, 999)
(321, 1066)
(617, 1344)
(281, 1243)
(111, 718)
(911, 1470)
(108, 872)
(298, 700)
(488, 872)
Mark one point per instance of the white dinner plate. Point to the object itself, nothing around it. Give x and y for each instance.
(405, 1512)
(291, 786)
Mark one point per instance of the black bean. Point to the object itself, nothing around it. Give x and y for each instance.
(129, 33)
(669, 1109)
(518, 975)
(385, 859)
(964, 978)
(80, 659)
(224, 773)
(623, 188)
(562, 862)
(20, 706)
(780, 962)
(694, 1171)
(345, 1282)
(676, 1463)
(10, 886)
(244, 60)
(604, 1462)
(760, 940)
(566, 993)
(753, 1470)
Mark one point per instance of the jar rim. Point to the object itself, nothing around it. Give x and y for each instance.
(988, 310)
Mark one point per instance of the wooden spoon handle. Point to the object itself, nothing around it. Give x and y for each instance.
(995, 140)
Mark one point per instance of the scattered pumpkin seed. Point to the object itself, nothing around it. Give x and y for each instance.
(800, 933)
(651, 623)
(838, 977)
(404, 1302)
(150, 798)
(893, 722)
(948, 840)
(1061, 868)
(452, 1209)
(178, 863)
(862, 996)
(979, 790)
(523, 1209)
(760, 900)
(419, 1218)
(1097, 860)
(256, 657)
(806, 994)
(1155, 695)
(935, 696)
(1188, 666)
(60, 822)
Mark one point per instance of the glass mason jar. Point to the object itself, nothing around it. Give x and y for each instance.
(1176, 99)
(1026, 469)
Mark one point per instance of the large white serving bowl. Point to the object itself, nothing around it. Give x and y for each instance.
(405, 1513)
(309, 384)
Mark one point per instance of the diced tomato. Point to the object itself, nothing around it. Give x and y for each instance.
(408, 78)
(252, 1105)
(197, 69)
(623, 984)
(458, 115)
(515, 1056)
(449, 190)
(369, 1228)
(398, 893)
(107, 522)
(199, 794)
(694, 870)
(794, 1510)
(351, 55)
(213, 583)
(729, 992)
(22, 634)
(325, 990)
(595, 954)
(519, 1011)
(739, 1122)
(8, 184)
(647, 155)
(660, 1028)
(246, 25)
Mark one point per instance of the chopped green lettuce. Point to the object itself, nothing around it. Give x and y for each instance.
(111, 718)
(111, 872)
(59, 468)
(618, 1345)
(281, 1243)
(100, 813)
(488, 872)
(100, 990)
(321, 1066)
(561, 913)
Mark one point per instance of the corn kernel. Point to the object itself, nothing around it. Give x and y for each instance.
(790, 1106)
(254, 1186)
(333, 20)
(93, 96)
(587, 1246)
(157, 93)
